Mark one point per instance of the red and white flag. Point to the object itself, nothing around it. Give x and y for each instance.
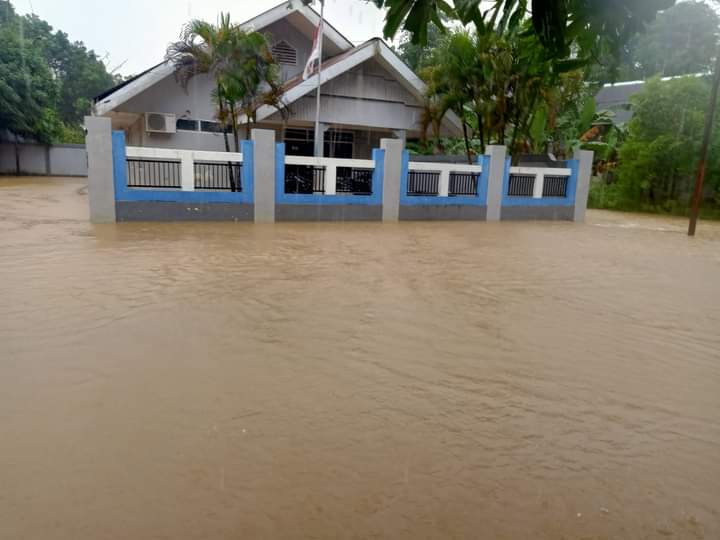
(314, 53)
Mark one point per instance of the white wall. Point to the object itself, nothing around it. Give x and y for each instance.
(42, 160)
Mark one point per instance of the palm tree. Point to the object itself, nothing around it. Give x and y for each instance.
(245, 72)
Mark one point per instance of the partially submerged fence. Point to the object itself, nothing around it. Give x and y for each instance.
(163, 183)
(43, 160)
(313, 188)
(435, 190)
(169, 184)
(539, 192)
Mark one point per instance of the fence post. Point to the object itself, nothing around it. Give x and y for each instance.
(496, 177)
(582, 183)
(101, 185)
(187, 171)
(538, 185)
(264, 175)
(444, 183)
(331, 179)
(391, 178)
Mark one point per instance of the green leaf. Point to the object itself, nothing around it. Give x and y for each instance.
(587, 114)
(537, 127)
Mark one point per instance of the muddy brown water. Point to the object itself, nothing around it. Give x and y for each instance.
(416, 380)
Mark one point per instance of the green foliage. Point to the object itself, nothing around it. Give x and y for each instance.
(46, 81)
(682, 40)
(27, 89)
(659, 156)
(419, 56)
(507, 89)
(585, 27)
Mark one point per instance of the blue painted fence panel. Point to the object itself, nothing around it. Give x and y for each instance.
(374, 199)
(434, 200)
(568, 200)
(124, 193)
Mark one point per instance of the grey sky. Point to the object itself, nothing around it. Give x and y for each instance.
(137, 32)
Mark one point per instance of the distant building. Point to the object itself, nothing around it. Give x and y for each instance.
(616, 97)
(367, 93)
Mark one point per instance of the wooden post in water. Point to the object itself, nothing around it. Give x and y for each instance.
(700, 176)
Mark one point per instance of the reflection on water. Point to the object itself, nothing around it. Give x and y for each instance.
(417, 380)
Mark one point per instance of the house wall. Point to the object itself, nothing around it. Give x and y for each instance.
(357, 112)
(168, 96)
(369, 81)
(364, 96)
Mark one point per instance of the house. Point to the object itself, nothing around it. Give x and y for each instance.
(367, 93)
(616, 98)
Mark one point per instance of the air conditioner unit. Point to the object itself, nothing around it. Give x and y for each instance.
(159, 123)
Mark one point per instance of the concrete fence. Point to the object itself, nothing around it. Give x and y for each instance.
(263, 184)
(43, 160)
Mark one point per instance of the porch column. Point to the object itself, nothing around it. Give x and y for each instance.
(582, 187)
(391, 178)
(496, 177)
(401, 134)
(101, 185)
(264, 174)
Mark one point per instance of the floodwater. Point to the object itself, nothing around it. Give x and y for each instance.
(402, 381)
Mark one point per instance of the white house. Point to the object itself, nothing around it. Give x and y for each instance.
(367, 93)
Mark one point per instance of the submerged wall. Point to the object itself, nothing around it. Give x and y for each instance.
(263, 184)
(43, 160)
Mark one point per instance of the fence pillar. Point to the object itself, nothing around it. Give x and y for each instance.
(582, 186)
(187, 171)
(495, 178)
(101, 186)
(264, 174)
(538, 185)
(391, 178)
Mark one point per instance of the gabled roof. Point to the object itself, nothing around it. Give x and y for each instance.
(376, 48)
(313, 17)
(116, 96)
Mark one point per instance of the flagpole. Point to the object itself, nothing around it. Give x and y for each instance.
(318, 135)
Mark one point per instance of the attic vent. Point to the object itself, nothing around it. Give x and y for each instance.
(284, 53)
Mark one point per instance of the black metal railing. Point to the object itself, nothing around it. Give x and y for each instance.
(521, 185)
(463, 183)
(304, 179)
(218, 175)
(153, 173)
(423, 183)
(355, 181)
(555, 186)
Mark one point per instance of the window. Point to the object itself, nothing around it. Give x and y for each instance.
(212, 127)
(284, 53)
(186, 124)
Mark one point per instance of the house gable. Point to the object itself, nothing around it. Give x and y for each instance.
(368, 85)
(295, 25)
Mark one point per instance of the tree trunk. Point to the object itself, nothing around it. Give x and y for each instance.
(231, 178)
(481, 132)
(467, 143)
(235, 128)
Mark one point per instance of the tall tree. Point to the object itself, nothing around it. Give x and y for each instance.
(657, 159)
(46, 81)
(27, 89)
(243, 68)
(682, 40)
(587, 28)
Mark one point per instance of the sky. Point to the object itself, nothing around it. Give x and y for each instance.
(132, 35)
